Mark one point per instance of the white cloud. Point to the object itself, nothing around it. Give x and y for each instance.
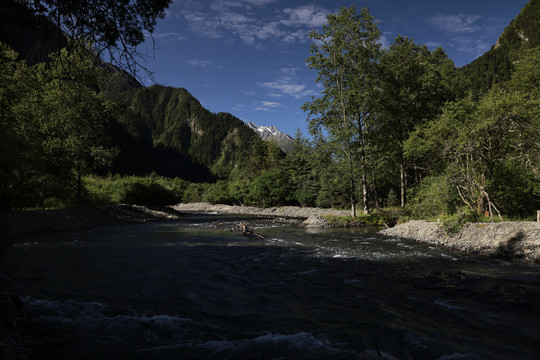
(433, 44)
(199, 63)
(294, 90)
(272, 104)
(460, 23)
(239, 107)
(385, 42)
(472, 34)
(307, 15)
(235, 19)
(166, 37)
(268, 106)
(202, 25)
(169, 36)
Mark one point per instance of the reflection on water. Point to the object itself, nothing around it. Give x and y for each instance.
(197, 289)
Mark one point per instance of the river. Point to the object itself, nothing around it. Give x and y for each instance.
(196, 289)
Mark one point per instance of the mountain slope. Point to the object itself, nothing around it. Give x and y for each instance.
(496, 65)
(272, 133)
(33, 37)
(189, 138)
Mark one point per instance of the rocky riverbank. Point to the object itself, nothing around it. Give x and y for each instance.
(509, 240)
(518, 241)
(282, 211)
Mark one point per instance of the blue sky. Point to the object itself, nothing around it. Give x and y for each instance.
(247, 57)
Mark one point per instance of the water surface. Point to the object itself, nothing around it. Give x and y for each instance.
(195, 289)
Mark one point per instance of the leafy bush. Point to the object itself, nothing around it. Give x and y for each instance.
(195, 192)
(271, 188)
(433, 197)
(149, 190)
(452, 224)
(378, 218)
(218, 193)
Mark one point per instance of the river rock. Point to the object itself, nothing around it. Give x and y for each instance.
(314, 221)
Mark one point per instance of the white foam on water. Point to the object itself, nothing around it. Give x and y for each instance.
(311, 271)
(458, 356)
(449, 257)
(447, 304)
(294, 344)
(90, 314)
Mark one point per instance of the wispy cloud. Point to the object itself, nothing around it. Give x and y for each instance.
(238, 20)
(433, 44)
(286, 83)
(268, 105)
(239, 107)
(468, 33)
(170, 36)
(460, 23)
(294, 90)
(272, 104)
(310, 16)
(199, 63)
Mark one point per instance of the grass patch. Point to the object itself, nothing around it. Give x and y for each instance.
(379, 218)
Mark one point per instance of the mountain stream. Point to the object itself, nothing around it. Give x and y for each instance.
(198, 289)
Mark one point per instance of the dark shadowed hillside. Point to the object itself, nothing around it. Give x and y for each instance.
(166, 130)
(33, 37)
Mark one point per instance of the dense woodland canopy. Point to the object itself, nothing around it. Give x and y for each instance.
(399, 128)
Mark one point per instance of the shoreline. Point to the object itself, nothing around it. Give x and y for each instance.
(281, 211)
(20, 224)
(513, 241)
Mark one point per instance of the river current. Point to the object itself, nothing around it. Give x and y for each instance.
(196, 289)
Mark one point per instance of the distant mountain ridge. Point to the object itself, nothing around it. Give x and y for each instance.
(189, 139)
(272, 133)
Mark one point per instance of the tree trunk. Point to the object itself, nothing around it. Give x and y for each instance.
(353, 198)
(375, 191)
(79, 184)
(402, 185)
(364, 191)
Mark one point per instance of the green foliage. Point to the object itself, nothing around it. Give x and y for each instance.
(415, 84)
(195, 192)
(150, 190)
(219, 193)
(271, 188)
(53, 125)
(453, 223)
(433, 197)
(345, 55)
(173, 127)
(391, 198)
(526, 77)
(376, 218)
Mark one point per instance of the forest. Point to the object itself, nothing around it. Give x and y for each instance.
(399, 128)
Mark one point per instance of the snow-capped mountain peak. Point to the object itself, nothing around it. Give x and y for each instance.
(268, 133)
